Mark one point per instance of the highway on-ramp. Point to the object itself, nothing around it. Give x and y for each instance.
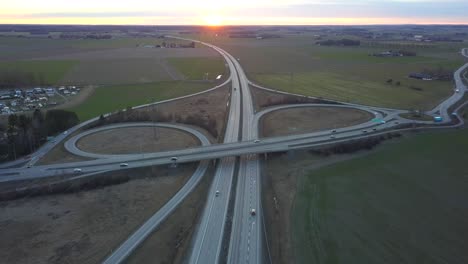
(245, 243)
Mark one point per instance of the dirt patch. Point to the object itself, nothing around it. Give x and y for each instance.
(77, 99)
(207, 106)
(170, 243)
(310, 119)
(83, 227)
(137, 140)
(59, 155)
(263, 98)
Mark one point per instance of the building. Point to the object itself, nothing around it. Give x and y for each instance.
(29, 93)
(50, 91)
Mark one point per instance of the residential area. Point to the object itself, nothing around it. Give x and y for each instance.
(28, 99)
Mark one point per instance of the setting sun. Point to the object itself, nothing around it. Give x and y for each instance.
(213, 20)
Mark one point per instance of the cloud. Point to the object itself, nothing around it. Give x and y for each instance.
(249, 10)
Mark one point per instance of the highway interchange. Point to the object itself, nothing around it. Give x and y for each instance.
(237, 159)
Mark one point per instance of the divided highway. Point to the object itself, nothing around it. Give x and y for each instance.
(241, 140)
(245, 243)
(207, 245)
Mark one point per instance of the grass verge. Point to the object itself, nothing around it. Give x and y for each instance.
(418, 117)
(199, 68)
(112, 98)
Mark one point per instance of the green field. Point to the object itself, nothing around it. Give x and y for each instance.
(355, 89)
(112, 98)
(295, 64)
(196, 68)
(102, 71)
(53, 71)
(403, 203)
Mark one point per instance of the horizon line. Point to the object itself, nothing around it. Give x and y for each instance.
(233, 25)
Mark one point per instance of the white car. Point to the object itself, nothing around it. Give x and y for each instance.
(174, 159)
(77, 170)
(217, 193)
(256, 141)
(123, 164)
(66, 132)
(457, 90)
(253, 212)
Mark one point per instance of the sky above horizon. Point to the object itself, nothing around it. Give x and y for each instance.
(240, 12)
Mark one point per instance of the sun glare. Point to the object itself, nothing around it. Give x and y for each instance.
(213, 20)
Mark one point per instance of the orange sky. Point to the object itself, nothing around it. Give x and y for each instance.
(239, 12)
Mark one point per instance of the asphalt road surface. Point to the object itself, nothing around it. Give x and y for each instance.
(208, 239)
(246, 236)
(245, 244)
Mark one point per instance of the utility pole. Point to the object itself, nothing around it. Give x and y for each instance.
(155, 128)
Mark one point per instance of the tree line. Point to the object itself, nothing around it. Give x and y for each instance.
(26, 133)
(131, 115)
(340, 42)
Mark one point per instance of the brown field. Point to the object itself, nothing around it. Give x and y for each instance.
(170, 243)
(264, 99)
(137, 140)
(211, 105)
(310, 119)
(59, 155)
(95, 63)
(81, 227)
(132, 53)
(12, 48)
(116, 71)
(126, 65)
